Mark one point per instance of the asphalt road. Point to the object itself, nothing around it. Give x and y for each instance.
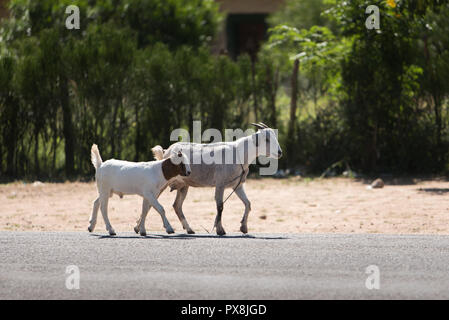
(260, 266)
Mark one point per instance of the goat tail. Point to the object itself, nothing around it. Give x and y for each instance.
(158, 153)
(95, 156)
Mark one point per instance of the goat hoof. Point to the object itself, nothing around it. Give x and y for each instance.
(112, 233)
(136, 230)
(244, 229)
(143, 234)
(90, 229)
(190, 231)
(170, 231)
(221, 232)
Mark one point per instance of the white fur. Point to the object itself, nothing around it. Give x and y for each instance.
(123, 177)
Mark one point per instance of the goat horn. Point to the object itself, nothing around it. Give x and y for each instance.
(258, 125)
(263, 124)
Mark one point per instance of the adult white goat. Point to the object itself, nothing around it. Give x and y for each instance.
(147, 179)
(221, 175)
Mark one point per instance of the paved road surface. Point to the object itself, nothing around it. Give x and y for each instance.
(261, 266)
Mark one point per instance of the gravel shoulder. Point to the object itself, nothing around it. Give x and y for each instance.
(335, 205)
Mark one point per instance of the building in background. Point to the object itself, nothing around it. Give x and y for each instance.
(245, 25)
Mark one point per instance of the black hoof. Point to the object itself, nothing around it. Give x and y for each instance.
(89, 229)
(244, 229)
(190, 232)
(136, 230)
(143, 234)
(221, 232)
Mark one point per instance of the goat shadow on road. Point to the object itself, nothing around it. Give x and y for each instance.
(436, 191)
(190, 237)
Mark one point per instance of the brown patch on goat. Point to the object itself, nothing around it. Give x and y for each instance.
(171, 170)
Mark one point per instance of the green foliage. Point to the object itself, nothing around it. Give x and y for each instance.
(378, 95)
(303, 14)
(173, 22)
(319, 52)
(130, 75)
(322, 140)
(381, 90)
(137, 69)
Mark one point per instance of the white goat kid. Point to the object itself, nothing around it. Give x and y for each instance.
(147, 179)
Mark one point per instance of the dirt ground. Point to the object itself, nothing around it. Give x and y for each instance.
(295, 205)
